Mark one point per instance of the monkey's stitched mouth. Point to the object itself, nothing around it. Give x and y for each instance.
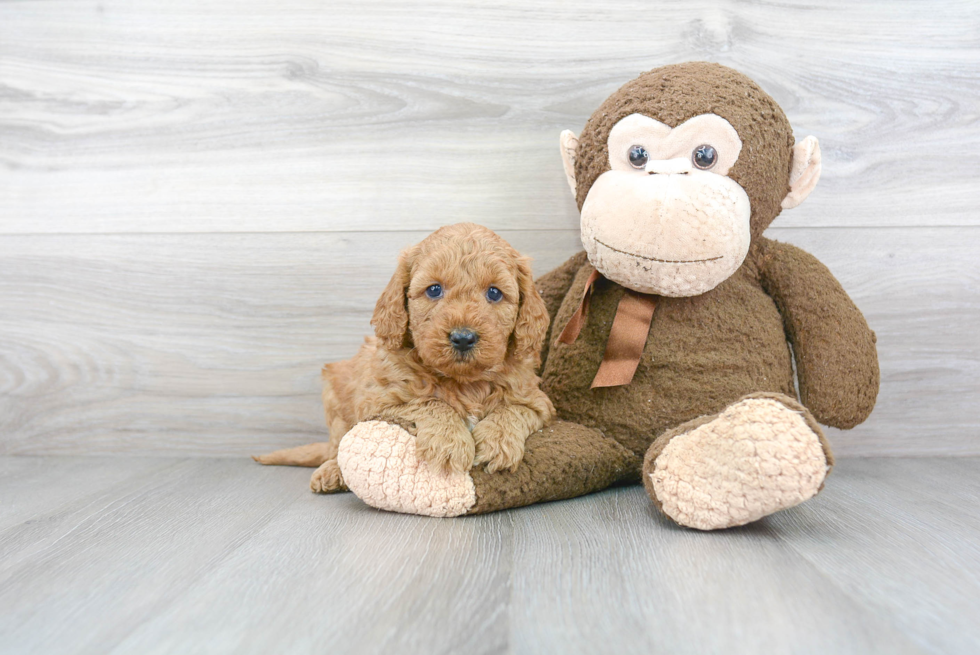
(662, 261)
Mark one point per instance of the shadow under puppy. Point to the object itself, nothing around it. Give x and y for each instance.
(458, 336)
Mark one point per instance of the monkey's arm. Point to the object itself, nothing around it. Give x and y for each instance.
(836, 358)
(553, 286)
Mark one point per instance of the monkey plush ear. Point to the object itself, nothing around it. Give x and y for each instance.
(804, 173)
(390, 319)
(569, 144)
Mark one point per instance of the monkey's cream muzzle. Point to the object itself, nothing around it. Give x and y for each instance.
(678, 233)
(664, 220)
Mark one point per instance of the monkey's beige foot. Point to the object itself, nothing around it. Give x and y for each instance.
(380, 466)
(327, 479)
(762, 454)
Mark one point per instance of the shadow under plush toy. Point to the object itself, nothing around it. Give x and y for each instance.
(669, 355)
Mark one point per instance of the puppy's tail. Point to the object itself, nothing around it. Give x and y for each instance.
(311, 455)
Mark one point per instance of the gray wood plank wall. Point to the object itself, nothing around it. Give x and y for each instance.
(199, 203)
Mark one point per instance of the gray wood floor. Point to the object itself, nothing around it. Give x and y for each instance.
(167, 555)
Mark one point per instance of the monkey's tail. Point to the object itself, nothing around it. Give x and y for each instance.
(311, 455)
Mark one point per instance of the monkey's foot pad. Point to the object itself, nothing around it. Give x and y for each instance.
(379, 465)
(756, 457)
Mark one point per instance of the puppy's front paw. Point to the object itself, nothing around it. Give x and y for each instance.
(446, 448)
(497, 447)
(327, 479)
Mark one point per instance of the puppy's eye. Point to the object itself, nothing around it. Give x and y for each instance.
(494, 294)
(704, 157)
(434, 291)
(638, 156)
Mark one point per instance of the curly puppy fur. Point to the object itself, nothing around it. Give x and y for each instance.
(465, 408)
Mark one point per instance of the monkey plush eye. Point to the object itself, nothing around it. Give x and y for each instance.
(434, 291)
(494, 294)
(704, 156)
(638, 156)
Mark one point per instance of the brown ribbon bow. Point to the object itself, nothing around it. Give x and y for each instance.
(627, 337)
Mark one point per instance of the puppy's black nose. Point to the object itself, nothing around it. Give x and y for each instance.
(463, 339)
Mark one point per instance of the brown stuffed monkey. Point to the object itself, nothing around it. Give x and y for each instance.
(669, 357)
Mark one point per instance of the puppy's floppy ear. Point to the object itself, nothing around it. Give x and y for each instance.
(532, 315)
(390, 318)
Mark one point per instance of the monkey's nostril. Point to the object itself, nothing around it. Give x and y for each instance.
(463, 339)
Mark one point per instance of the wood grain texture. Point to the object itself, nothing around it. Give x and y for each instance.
(125, 553)
(212, 344)
(333, 575)
(211, 555)
(30, 486)
(619, 572)
(200, 203)
(375, 115)
(893, 518)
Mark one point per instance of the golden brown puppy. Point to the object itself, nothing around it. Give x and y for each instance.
(459, 330)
